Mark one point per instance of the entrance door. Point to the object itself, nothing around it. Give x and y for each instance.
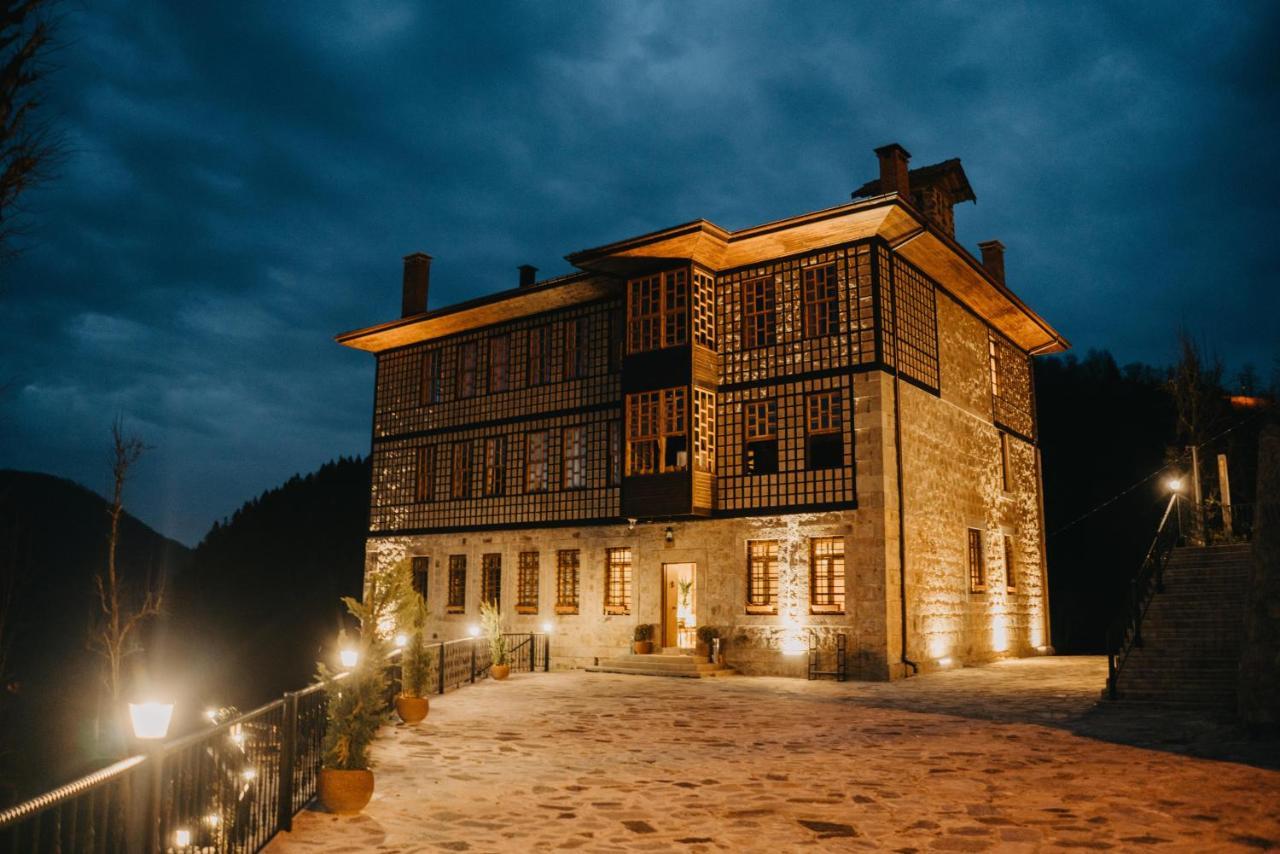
(679, 605)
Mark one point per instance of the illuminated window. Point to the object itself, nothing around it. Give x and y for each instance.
(826, 575)
(657, 431)
(824, 438)
(658, 311)
(429, 386)
(760, 447)
(538, 368)
(567, 581)
(424, 474)
(536, 478)
(491, 579)
(995, 367)
(977, 572)
(468, 355)
(617, 581)
(575, 348)
(460, 486)
(457, 584)
(495, 450)
(759, 313)
(421, 568)
(500, 363)
(704, 430)
(704, 311)
(574, 449)
(615, 453)
(821, 301)
(762, 576)
(1010, 569)
(527, 584)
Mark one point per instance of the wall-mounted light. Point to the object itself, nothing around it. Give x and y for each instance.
(547, 627)
(150, 719)
(631, 524)
(669, 535)
(349, 657)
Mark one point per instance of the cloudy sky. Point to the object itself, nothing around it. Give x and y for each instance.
(243, 180)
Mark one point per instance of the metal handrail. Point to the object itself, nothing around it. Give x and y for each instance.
(70, 790)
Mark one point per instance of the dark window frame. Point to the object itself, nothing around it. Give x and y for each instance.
(827, 579)
(975, 561)
(762, 576)
(617, 580)
(568, 581)
(457, 593)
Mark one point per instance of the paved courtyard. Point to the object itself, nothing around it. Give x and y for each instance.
(1009, 757)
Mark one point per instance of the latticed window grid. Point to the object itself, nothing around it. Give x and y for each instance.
(704, 310)
(704, 430)
(977, 569)
(617, 581)
(761, 419)
(527, 583)
(429, 381)
(908, 304)
(615, 453)
(424, 474)
(1010, 568)
(675, 308)
(457, 602)
(826, 575)
(538, 366)
(825, 413)
(491, 578)
(537, 463)
(495, 460)
(499, 363)
(793, 485)
(821, 297)
(762, 576)
(460, 479)
(574, 449)
(567, 581)
(658, 311)
(468, 357)
(574, 363)
(1011, 400)
(759, 312)
(851, 343)
(420, 567)
(657, 431)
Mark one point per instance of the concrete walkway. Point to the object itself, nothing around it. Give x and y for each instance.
(1010, 757)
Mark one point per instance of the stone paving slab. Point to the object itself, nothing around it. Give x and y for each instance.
(1009, 757)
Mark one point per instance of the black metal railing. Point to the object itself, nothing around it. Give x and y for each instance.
(229, 788)
(841, 671)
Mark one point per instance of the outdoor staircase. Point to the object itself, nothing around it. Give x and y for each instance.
(670, 662)
(1192, 632)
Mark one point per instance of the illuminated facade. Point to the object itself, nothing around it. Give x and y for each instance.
(818, 426)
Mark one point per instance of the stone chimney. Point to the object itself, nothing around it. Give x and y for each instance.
(528, 275)
(893, 169)
(417, 276)
(993, 258)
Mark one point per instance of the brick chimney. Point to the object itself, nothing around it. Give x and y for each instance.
(893, 169)
(417, 276)
(993, 258)
(528, 275)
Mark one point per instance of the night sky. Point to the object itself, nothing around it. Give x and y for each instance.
(243, 180)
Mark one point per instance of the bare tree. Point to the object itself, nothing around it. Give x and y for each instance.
(123, 609)
(28, 147)
(1197, 391)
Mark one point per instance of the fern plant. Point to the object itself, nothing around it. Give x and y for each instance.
(491, 621)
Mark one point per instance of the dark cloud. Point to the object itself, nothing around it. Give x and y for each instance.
(245, 177)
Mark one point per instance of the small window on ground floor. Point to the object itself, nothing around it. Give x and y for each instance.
(421, 569)
(527, 584)
(617, 581)
(567, 581)
(826, 575)
(1010, 568)
(762, 577)
(491, 579)
(457, 584)
(977, 572)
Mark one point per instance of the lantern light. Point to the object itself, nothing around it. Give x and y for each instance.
(402, 640)
(211, 714)
(670, 535)
(473, 630)
(546, 627)
(249, 774)
(1174, 484)
(182, 837)
(213, 819)
(349, 657)
(150, 719)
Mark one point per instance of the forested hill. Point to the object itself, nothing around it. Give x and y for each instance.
(262, 597)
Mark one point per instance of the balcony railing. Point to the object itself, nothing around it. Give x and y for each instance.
(228, 788)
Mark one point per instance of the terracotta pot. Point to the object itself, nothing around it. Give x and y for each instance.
(642, 647)
(411, 709)
(500, 671)
(345, 792)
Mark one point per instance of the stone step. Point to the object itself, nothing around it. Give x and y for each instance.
(661, 665)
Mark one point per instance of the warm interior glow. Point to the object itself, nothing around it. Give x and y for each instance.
(182, 837)
(150, 719)
(349, 657)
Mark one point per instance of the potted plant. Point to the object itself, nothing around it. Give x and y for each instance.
(643, 644)
(491, 621)
(707, 636)
(415, 663)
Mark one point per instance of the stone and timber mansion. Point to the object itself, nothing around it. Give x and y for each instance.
(818, 426)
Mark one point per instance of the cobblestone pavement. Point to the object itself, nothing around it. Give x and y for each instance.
(1009, 757)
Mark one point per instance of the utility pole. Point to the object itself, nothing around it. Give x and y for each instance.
(1224, 485)
(1197, 520)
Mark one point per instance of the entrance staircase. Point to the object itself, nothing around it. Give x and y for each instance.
(671, 661)
(1190, 638)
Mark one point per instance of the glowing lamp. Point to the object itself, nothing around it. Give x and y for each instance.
(212, 819)
(349, 657)
(474, 631)
(546, 628)
(182, 837)
(249, 774)
(1174, 484)
(150, 719)
(211, 715)
(402, 640)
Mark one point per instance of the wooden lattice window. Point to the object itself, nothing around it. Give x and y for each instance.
(429, 383)
(760, 443)
(424, 473)
(821, 295)
(759, 313)
(575, 348)
(617, 581)
(995, 367)
(1006, 478)
(468, 361)
(536, 470)
(567, 581)
(977, 571)
(460, 485)
(1010, 568)
(826, 575)
(495, 451)
(499, 363)
(420, 567)
(527, 584)
(457, 603)
(538, 368)
(704, 311)
(573, 442)
(615, 453)
(491, 579)
(704, 430)
(657, 431)
(824, 436)
(762, 576)
(1011, 403)
(658, 311)
(910, 323)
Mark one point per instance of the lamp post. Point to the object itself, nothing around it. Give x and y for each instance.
(150, 720)
(1175, 487)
